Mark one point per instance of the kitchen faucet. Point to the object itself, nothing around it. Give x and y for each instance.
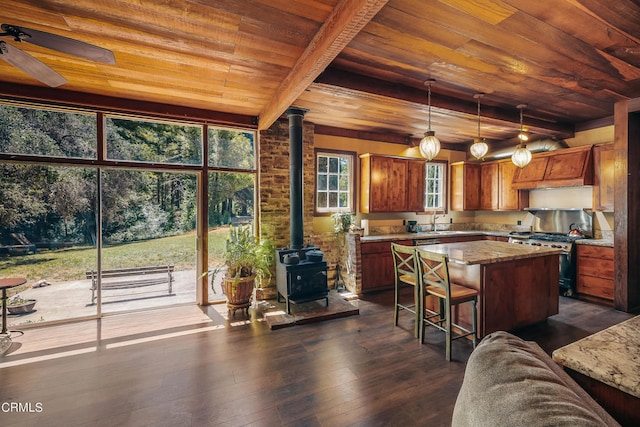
(434, 220)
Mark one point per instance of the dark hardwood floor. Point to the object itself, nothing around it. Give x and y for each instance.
(161, 369)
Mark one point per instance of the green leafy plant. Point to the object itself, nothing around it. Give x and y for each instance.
(245, 256)
(342, 221)
(18, 300)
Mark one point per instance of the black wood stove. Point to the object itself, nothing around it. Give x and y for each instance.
(299, 279)
(302, 282)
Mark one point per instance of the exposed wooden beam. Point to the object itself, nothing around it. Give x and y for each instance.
(121, 105)
(344, 23)
(380, 137)
(351, 81)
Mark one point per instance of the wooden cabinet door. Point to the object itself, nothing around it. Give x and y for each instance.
(465, 186)
(415, 185)
(603, 165)
(531, 173)
(391, 184)
(489, 196)
(510, 199)
(377, 265)
(564, 166)
(380, 174)
(397, 185)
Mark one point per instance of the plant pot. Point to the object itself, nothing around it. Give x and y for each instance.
(239, 292)
(21, 308)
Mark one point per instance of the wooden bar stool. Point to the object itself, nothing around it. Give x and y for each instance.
(406, 274)
(434, 280)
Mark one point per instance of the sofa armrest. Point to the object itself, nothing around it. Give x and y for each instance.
(512, 382)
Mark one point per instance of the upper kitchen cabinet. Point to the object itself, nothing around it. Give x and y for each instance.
(391, 184)
(465, 186)
(603, 165)
(509, 198)
(563, 168)
(486, 186)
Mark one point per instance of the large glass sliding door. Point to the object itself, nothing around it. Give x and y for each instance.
(48, 236)
(148, 239)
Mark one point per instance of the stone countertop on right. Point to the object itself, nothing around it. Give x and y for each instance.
(611, 356)
(596, 242)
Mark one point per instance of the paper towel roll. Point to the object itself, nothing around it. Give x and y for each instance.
(365, 226)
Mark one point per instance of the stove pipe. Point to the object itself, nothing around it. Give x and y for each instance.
(296, 232)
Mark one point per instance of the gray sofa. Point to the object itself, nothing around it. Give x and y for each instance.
(512, 382)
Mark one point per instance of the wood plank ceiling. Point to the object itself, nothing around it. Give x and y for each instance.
(359, 66)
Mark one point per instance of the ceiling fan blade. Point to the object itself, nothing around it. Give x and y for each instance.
(61, 44)
(30, 65)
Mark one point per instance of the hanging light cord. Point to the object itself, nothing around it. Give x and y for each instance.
(429, 102)
(478, 118)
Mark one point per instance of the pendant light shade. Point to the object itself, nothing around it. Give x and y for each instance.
(479, 147)
(430, 145)
(522, 156)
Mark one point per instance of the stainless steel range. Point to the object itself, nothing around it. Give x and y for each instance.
(558, 228)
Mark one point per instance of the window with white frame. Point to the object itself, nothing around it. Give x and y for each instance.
(435, 186)
(334, 181)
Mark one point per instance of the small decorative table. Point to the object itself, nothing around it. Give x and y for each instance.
(5, 336)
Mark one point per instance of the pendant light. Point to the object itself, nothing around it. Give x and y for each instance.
(430, 145)
(479, 147)
(522, 156)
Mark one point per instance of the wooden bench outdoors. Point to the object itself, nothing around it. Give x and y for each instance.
(136, 277)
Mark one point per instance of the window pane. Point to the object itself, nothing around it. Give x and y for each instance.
(333, 199)
(231, 201)
(322, 182)
(48, 233)
(344, 200)
(323, 164)
(333, 182)
(155, 142)
(344, 166)
(333, 165)
(232, 149)
(48, 133)
(344, 183)
(322, 200)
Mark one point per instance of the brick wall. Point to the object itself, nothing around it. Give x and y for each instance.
(274, 190)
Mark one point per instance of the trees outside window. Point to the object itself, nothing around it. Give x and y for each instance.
(435, 187)
(334, 182)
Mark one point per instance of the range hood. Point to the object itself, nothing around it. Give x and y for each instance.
(571, 167)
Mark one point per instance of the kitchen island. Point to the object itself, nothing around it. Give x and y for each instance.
(517, 284)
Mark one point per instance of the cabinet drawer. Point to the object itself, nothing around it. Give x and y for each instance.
(593, 267)
(382, 247)
(599, 252)
(595, 286)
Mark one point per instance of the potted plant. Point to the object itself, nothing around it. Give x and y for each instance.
(19, 305)
(342, 222)
(247, 262)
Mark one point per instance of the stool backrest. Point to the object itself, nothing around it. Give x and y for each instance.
(404, 260)
(433, 270)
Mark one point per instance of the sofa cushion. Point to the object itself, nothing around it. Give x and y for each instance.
(512, 382)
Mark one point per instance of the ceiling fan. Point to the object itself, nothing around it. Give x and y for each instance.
(35, 67)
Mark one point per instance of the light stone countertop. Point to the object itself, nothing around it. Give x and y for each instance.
(596, 242)
(429, 235)
(488, 251)
(611, 356)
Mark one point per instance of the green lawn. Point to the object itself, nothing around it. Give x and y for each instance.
(71, 263)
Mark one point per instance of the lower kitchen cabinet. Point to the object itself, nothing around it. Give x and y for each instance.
(595, 270)
(377, 265)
